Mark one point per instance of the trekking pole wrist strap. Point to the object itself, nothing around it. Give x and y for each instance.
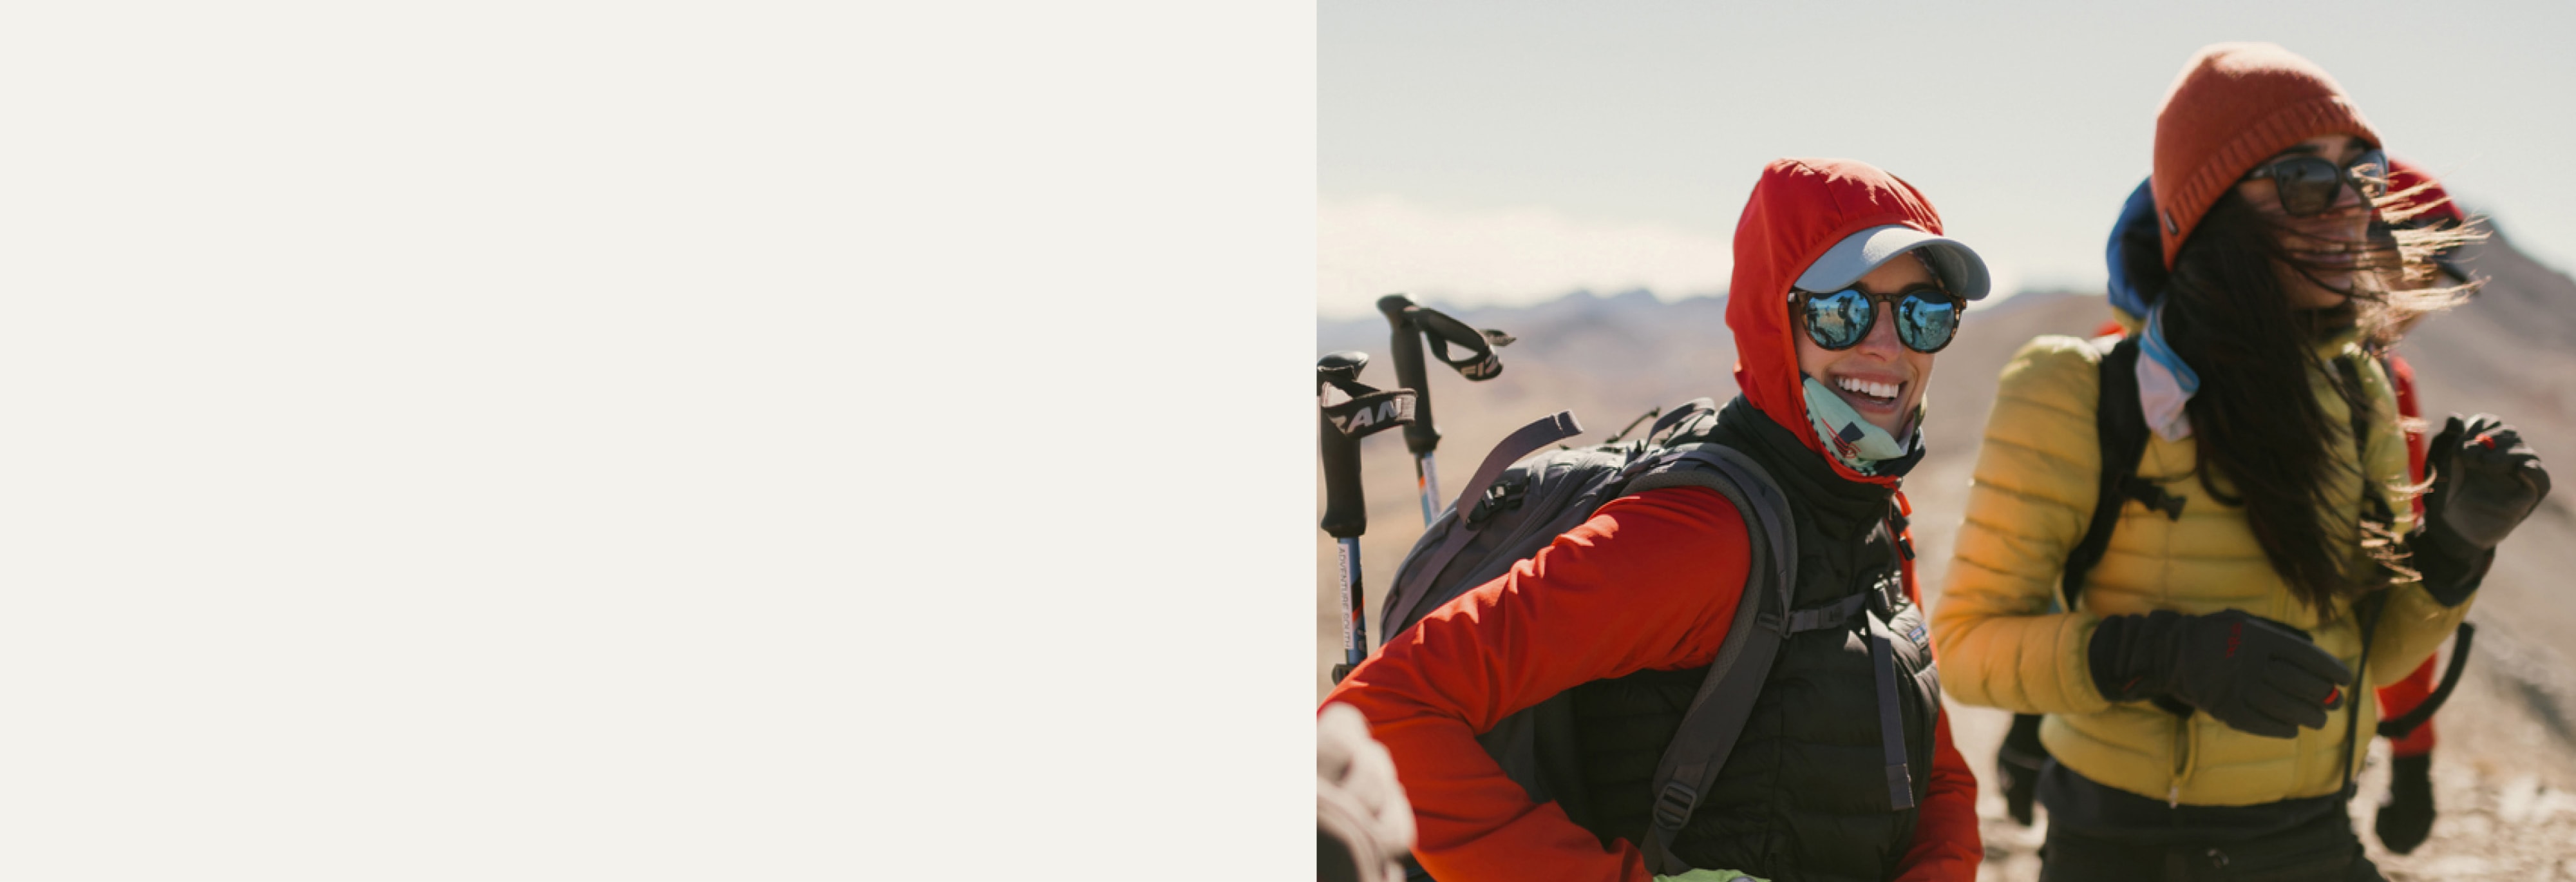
(1370, 410)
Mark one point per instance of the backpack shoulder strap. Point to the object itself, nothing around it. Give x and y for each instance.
(2120, 426)
(1680, 415)
(2375, 506)
(1407, 594)
(1717, 713)
(2402, 726)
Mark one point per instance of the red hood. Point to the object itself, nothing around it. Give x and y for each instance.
(1800, 208)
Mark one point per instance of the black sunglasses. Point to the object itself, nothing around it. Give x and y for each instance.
(2308, 184)
(1926, 317)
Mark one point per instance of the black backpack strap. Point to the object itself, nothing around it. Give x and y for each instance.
(1717, 714)
(2368, 610)
(1520, 443)
(2402, 726)
(1679, 414)
(2378, 508)
(2120, 422)
(2371, 499)
(1891, 719)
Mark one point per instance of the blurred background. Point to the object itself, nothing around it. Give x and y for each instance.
(1572, 177)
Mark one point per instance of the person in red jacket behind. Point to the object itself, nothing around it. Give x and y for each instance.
(1843, 290)
(2406, 819)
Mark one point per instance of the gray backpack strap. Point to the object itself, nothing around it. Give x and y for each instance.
(1520, 443)
(1725, 700)
(1891, 720)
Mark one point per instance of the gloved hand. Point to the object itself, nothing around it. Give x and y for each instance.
(2017, 764)
(1711, 876)
(2256, 675)
(2407, 817)
(2485, 481)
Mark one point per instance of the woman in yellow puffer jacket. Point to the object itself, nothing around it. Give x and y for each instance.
(2199, 688)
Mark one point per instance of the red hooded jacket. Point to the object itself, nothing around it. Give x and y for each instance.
(1650, 582)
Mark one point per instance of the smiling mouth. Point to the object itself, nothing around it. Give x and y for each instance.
(1869, 392)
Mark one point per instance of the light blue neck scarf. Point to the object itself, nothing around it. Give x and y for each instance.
(2165, 384)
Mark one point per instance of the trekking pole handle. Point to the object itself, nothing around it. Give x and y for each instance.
(1421, 437)
(1345, 504)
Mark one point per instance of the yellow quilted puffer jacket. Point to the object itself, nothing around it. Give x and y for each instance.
(2036, 480)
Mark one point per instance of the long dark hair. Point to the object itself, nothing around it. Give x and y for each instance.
(2255, 423)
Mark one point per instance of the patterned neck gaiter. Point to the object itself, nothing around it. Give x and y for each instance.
(1853, 440)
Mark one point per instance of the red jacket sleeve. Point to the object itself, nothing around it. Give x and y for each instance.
(1947, 846)
(1650, 582)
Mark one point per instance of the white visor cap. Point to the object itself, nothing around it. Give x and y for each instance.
(1961, 270)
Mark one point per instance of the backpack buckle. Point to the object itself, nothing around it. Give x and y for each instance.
(2154, 497)
(1501, 497)
(1673, 806)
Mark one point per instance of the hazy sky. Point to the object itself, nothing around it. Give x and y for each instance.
(1509, 152)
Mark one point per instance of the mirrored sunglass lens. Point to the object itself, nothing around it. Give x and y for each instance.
(1925, 324)
(1838, 320)
(2370, 172)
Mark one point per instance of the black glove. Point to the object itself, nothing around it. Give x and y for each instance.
(2018, 763)
(2256, 675)
(2407, 817)
(2485, 481)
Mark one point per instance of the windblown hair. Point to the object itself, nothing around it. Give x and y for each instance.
(2402, 272)
(2255, 423)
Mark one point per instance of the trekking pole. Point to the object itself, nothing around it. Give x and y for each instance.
(1410, 324)
(1340, 429)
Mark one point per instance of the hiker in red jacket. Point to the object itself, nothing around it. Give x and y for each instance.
(1843, 289)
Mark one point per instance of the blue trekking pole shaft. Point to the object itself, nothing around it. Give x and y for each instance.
(1354, 610)
(1420, 436)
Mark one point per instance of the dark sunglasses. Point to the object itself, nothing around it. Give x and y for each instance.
(2308, 184)
(1926, 317)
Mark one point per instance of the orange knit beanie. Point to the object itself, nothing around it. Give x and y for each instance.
(2234, 105)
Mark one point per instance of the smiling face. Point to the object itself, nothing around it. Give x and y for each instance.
(2329, 242)
(1879, 377)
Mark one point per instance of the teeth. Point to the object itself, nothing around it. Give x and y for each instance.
(1873, 390)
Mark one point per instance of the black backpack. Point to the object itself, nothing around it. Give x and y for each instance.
(1514, 506)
